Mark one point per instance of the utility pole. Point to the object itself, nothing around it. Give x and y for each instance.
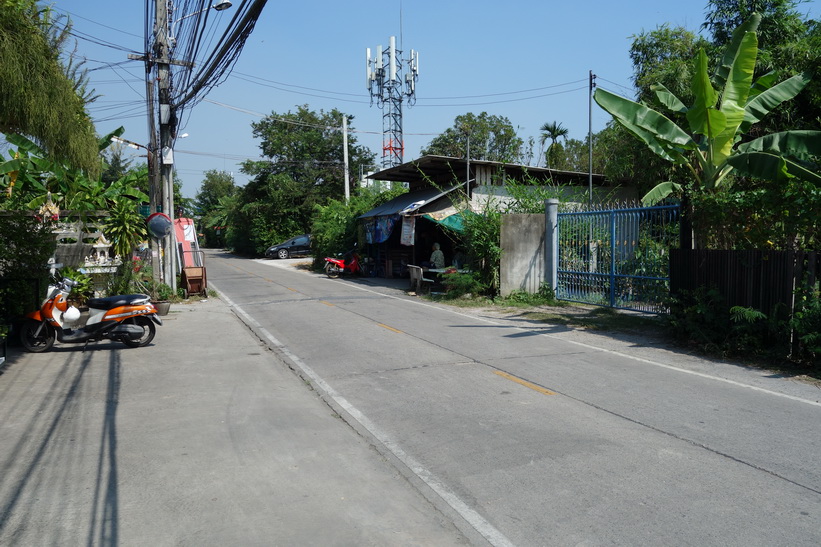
(167, 122)
(467, 169)
(346, 170)
(590, 138)
(154, 189)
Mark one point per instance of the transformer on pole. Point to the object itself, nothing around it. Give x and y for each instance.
(388, 84)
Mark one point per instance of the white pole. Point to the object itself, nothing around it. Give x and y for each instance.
(345, 158)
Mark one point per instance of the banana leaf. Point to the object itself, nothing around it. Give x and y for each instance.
(762, 84)
(763, 103)
(734, 96)
(668, 99)
(723, 69)
(659, 192)
(769, 166)
(663, 136)
(704, 119)
(800, 145)
(105, 141)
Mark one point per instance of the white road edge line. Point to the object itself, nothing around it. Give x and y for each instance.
(487, 530)
(611, 352)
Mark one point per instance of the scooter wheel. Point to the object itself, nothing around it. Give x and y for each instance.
(332, 270)
(34, 342)
(149, 330)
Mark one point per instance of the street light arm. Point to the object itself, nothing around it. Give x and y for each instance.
(128, 143)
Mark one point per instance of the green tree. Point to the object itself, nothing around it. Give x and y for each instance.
(492, 138)
(787, 43)
(125, 228)
(114, 165)
(336, 226)
(27, 246)
(216, 221)
(717, 121)
(303, 167)
(38, 96)
(780, 23)
(664, 56)
(29, 175)
(215, 186)
(553, 131)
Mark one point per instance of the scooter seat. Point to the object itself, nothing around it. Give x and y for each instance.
(111, 302)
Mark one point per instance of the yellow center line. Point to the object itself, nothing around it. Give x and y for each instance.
(327, 303)
(289, 288)
(525, 383)
(389, 328)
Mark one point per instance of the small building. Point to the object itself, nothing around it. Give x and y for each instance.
(403, 230)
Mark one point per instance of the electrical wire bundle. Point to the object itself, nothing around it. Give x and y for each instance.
(200, 60)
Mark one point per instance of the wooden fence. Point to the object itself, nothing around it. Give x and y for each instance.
(763, 280)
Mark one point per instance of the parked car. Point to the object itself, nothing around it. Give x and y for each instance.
(296, 246)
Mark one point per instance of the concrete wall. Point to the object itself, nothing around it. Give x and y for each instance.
(523, 253)
(75, 242)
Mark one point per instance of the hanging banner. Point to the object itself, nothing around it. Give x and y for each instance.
(408, 231)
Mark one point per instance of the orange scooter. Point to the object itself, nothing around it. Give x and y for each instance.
(129, 319)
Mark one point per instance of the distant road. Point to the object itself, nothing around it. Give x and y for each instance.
(536, 435)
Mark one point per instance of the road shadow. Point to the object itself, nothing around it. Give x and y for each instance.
(45, 466)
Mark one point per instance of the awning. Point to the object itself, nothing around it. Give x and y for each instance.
(442, 212)
(408, 203)
(379, 221)
(452, 222)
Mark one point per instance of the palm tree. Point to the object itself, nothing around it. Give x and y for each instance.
(552, 131)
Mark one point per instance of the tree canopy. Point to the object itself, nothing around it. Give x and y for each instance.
(714, 142)
(303, 168)
(38, 96)
(216, 186)
(492, 138)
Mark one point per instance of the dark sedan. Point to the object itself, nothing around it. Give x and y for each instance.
(296, 246)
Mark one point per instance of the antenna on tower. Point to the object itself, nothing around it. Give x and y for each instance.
(389, 87)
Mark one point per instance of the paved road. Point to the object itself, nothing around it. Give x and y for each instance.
(203, 438)
(540, 435)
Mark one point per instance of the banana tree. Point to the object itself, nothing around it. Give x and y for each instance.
(29, 174)
(723, 110)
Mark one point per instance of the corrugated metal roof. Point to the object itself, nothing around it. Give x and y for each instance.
(408, 203)
(443, 168)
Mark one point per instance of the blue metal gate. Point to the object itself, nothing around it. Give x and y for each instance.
(618, 258)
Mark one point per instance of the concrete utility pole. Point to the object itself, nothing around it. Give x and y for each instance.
(346, 170)
(154, 188)
(167, 123)
(590, 138)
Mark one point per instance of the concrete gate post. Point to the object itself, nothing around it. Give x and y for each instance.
(551, 243)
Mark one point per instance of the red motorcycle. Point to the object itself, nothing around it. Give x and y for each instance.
(128, 318)
(350, 263)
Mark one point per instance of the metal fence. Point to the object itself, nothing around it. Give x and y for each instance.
(761, 279)
(618, 257)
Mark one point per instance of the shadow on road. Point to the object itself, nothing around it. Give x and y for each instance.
(52, 448)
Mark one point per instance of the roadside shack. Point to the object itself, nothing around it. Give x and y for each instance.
(441, 190)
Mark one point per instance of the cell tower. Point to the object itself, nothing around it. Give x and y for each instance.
(388, 86)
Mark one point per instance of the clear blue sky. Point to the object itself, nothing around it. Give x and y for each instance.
(525, 60)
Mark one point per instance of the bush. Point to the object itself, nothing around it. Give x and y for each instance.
(27, 244)
(336, 227)
(806, 324)
(83, 288)
(704, 318)
(458, 284)
(482, 238)
(544, 297)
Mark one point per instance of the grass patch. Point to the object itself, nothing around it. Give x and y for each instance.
(598, 319)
